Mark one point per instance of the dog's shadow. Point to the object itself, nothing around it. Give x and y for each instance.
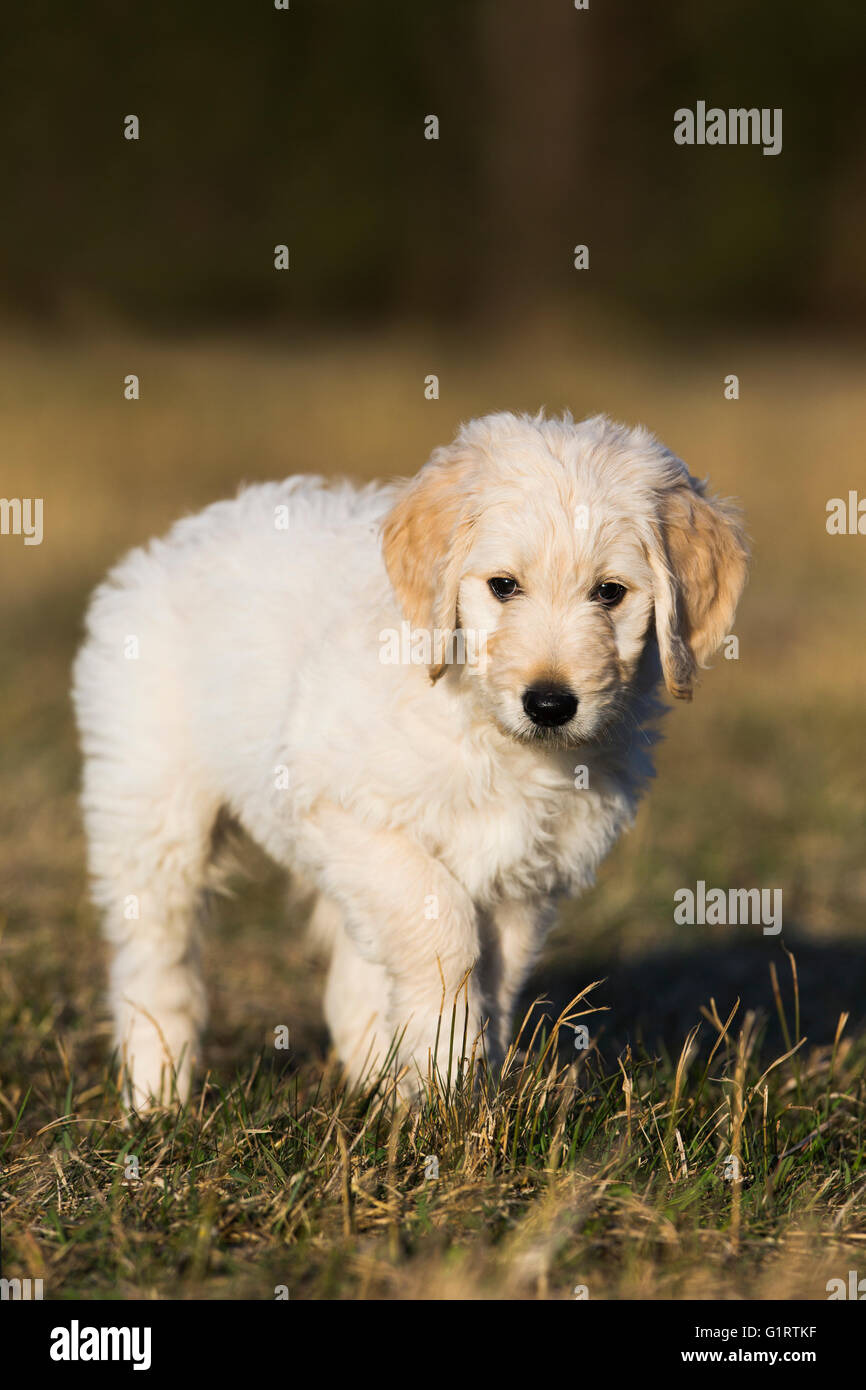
(653, 1000)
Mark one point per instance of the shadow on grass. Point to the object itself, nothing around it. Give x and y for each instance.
(654, 999)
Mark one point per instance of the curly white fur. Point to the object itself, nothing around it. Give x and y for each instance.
(237, 666)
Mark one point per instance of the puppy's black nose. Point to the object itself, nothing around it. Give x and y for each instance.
(549, 705)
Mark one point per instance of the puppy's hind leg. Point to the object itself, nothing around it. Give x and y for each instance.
(148, 860)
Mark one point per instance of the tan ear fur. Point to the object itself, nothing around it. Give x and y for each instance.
(700, 562)
(425, 539)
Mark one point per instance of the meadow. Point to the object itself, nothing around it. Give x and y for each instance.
(711, 1140)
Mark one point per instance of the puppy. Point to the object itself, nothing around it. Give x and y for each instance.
(429, 700)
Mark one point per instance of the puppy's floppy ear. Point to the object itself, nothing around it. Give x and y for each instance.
(425, 540)
(699, 560)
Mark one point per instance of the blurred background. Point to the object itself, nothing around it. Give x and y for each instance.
(305, 126)
(454, 257)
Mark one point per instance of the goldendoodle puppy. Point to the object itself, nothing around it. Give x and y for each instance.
(430, 701)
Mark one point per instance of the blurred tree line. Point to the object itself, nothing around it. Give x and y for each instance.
(306, 126)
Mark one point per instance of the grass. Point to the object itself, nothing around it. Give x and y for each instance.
(603, 1169)
(714, 1176)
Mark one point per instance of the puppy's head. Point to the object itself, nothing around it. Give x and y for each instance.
(579, 556)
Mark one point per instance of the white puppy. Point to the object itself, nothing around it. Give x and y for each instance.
(290, 658)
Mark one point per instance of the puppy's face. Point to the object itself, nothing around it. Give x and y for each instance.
(564, 552)
(558, 581)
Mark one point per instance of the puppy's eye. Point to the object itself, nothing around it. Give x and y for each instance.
(503, 588)
(609, 594)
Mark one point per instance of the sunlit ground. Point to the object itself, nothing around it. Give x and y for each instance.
(760, 780)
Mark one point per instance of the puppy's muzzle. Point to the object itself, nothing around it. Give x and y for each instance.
(548, 706)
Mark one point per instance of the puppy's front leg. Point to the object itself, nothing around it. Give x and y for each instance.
(517, 930)
(405, 912)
